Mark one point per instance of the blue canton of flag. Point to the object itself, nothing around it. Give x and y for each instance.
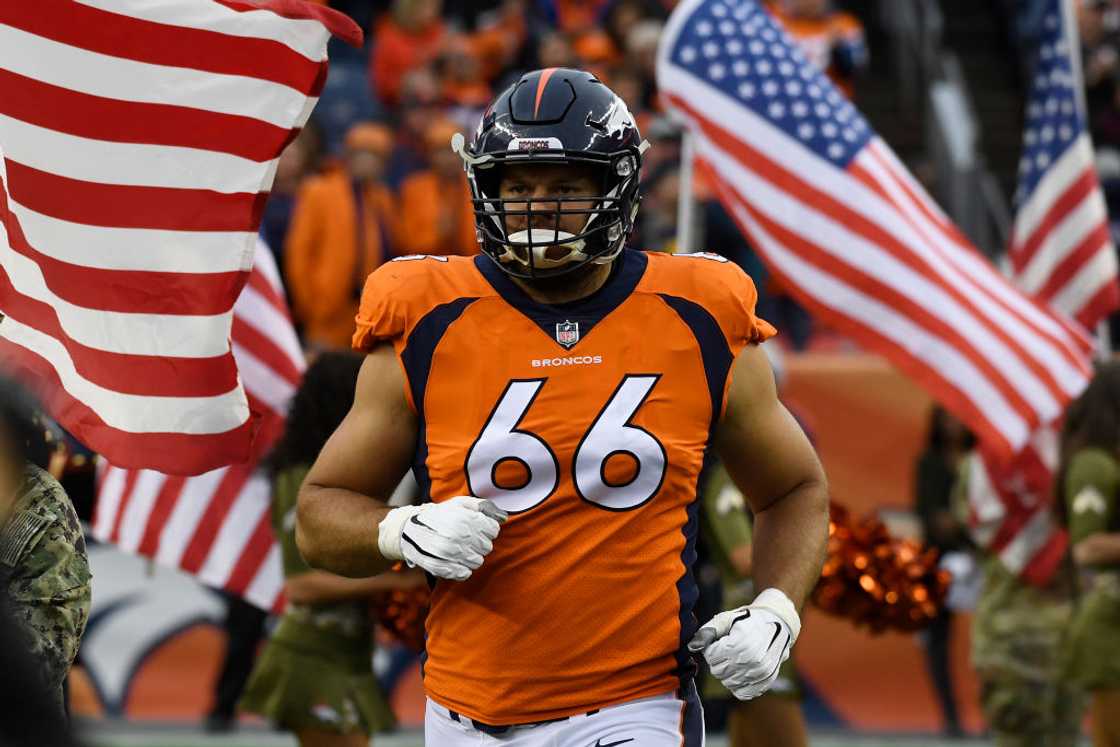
(740, 49)
(1053, 117)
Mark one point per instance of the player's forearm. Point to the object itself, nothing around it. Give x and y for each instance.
(336, 531)
(790, 541)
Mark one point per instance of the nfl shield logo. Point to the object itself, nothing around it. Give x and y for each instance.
(567, 333)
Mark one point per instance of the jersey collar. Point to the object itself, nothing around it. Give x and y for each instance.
(585, 312)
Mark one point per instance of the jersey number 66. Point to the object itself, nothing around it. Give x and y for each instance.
(610, 435)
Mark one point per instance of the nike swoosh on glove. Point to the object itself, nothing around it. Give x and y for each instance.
(744, 647)
(448, 539)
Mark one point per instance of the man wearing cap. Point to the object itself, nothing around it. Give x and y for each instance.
(343, 227)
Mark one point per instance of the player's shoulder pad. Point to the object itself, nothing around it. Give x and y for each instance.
(399, 293)
(717, 285)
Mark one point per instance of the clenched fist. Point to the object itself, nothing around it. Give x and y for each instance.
(744, 647)
(448, 540)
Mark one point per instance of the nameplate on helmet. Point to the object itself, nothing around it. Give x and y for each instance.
(535, 143)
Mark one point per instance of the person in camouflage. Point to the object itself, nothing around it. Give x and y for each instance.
(43, 566)
(1089, 491)
(1017, 636)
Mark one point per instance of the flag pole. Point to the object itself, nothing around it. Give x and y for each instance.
(1073, 41)
(686, 201)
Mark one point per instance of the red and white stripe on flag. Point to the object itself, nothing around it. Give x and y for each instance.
(217, 525)
(1061, 246)
(1010, 508)
(852, 235)
(138, 142)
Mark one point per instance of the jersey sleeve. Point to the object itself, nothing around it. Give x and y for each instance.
(748, 326)
(716, 284)
(733, 297)
(386, 306)
(1090, 492)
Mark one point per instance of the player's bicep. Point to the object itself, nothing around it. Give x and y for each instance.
(762, 446)
(373, 447)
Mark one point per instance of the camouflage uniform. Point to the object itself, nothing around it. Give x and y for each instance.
(1017, 637)
(43, 563)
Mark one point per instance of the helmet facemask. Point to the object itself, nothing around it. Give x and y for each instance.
(543, 248)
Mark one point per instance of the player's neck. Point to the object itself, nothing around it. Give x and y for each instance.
(578, 288)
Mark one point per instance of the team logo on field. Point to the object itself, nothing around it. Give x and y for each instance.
(567, 333)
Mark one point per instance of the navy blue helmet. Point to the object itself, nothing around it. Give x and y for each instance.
(551, 116)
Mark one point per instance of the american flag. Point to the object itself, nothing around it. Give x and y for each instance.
(836, 216)
(1060, 245)
(217, 525)
(138, 142)
(1062, 255)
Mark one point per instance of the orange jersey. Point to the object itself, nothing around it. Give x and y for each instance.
(589, 422)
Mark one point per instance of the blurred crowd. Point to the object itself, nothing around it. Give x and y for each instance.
(373, 175)
(1099, 25)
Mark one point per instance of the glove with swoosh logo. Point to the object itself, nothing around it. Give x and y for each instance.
(449, 539)
(745, 646)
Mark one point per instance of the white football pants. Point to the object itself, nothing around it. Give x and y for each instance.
(661, 721)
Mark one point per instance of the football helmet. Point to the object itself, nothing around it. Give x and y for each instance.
(550, 116)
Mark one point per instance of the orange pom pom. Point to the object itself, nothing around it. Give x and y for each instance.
(401, 612)
(877, 581)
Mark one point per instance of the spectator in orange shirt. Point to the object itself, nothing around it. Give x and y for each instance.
(421, 103)
(595, 50)
(436, 212)
(342, 228)
(296, 161)
(461, 73)
(832, 40)
(408, 37)
(500, 37)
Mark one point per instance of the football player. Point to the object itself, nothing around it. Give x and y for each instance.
(557, 396)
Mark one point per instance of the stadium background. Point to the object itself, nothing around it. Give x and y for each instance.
(943, 84)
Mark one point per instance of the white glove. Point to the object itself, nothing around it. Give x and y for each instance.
(448, 539)
(745, 646)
